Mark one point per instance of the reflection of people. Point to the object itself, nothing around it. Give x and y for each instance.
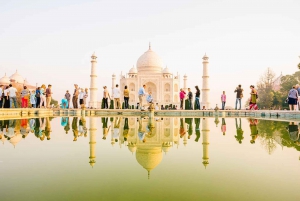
(141, 131)
(125, 129)
(104, 126)
(67, 126)
(239, 132)
(116, 129)
(75, 128)
(48, 128)
(223, 127)
(11, 129)
(293, 131)
(197, 128)
(181, 130)
(253, 129)
(189, 122)
(42, 129)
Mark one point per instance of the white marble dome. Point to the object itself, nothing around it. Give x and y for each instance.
(149, 62)
(5, 80)
(133, 70)
(17, 78)
(166, 70)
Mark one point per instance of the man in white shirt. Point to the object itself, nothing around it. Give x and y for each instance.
(116, 96)
(13, 96)
(1, 93)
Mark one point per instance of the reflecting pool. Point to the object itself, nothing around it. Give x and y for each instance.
(142, 158)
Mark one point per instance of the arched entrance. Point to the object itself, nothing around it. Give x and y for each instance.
(150, 86)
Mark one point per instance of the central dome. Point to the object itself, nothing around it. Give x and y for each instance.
(149, 62)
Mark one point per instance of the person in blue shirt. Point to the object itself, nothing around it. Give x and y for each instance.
(142, 93)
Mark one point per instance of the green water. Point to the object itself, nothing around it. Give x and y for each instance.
(138, 158)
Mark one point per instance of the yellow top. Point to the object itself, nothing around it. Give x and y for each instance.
(126, 93)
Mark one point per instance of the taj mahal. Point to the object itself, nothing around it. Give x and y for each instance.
(159, 80)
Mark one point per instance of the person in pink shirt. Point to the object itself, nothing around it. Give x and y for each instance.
(223, 100)
(181, 96)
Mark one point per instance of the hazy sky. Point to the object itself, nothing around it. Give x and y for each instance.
(52, 41)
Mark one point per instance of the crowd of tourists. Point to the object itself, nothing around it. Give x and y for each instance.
(39, 98)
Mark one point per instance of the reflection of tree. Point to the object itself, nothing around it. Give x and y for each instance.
(272, 133)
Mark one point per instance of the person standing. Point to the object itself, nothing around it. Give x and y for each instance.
(75, 96)
(48, 95)
(116, 96)
(13, 96)
(1, 95)
(190, 98)
(292, 98)
(86, 95)
(81, 97)
(223, 100)
(24, 97)
(181, 96)
(142, 93)
(38, 97)
(32, 99)
(197, 98)
(6, 98)
(126, 97)
(68, 97)
(253, 94)
(105, 97)
(239, 96)
(42, 96)
(298, 101)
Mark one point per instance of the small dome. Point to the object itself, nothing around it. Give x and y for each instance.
(133, 70)
(166, 70)
(26, 83)
(5, 80)
(166, 148)
(17, 78)
(149, 61)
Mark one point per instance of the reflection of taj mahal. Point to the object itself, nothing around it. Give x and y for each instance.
(149, 137)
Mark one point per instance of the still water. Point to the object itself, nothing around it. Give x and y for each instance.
(141, 158)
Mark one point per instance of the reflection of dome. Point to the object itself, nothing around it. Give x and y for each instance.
(166, 70)
(5, 80)
(17, 78)
(166, 148)
(16, 139)
(149, 157)
(132, 148)
(149, 61)
(133, 70)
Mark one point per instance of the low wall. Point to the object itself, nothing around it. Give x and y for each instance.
(37, 112)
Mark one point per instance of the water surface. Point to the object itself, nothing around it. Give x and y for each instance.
(141, 158)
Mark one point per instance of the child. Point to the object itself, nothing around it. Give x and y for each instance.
(32, 99)
(64, 103)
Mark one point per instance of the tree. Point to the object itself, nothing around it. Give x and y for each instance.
(265, 89)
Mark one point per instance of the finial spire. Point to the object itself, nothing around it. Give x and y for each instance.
(149, 45)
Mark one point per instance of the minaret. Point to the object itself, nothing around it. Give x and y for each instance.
(93, 129)
(184, 83)
(93, 84)
(205, 83)
(205, 141)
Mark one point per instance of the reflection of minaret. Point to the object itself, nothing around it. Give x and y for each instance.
(205, 142)
(93, 141)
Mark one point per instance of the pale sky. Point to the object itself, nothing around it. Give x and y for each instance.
(50, 42)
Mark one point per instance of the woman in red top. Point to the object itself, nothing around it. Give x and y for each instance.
(181, 96)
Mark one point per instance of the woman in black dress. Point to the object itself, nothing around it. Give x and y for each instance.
(6, 98)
